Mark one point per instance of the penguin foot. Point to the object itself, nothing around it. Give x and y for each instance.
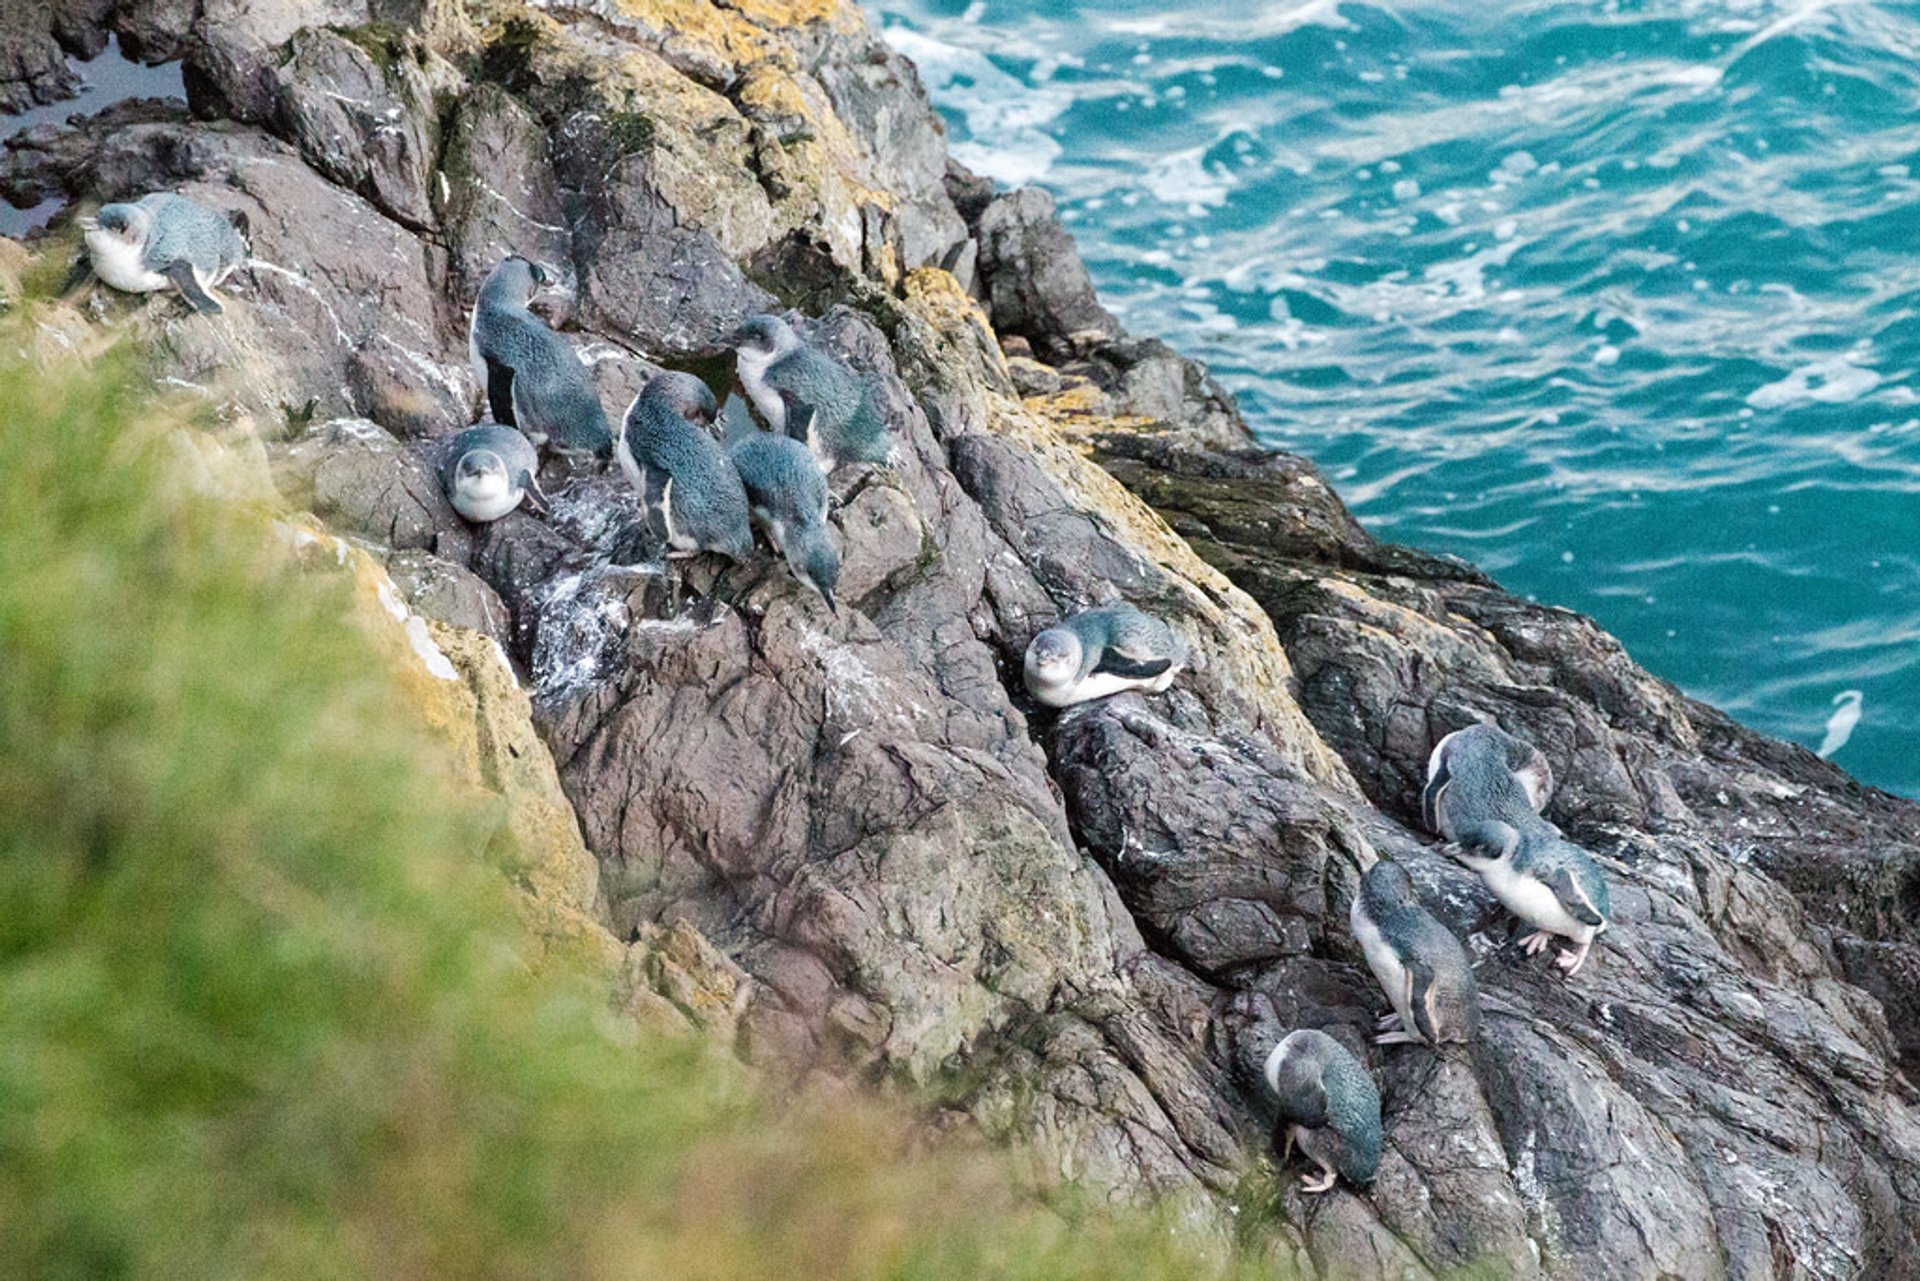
(1400, 1036)
(1387, 1022)
(1536, 942)
(1572, 961)
(1322, 1182)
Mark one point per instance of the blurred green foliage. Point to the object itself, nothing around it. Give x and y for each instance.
(264, 1010)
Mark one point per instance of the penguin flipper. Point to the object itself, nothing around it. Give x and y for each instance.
(1114, 663)
(500, 392)
(1420, 998)
(1573, 896)
(800, 416)
(180, 272)
(1495, 838)
(1438, 774)
(77, 274)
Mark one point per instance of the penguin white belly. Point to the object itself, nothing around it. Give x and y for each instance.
(623, 455)
(475, 360)
(753, 377)
(1098, 685)
(1384, 962)
(486, 499)
(1532, 901)
(121, 265)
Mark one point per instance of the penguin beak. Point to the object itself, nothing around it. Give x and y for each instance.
(833, 606)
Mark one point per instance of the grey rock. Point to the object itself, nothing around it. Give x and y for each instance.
(1035, 284)
(363, 482)
(1090, 927)
(449, 593)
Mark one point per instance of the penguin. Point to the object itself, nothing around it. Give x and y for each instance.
(1484, 792)
(692, 494)
(534, 379)
(1420, 965)
(787, 498)
(803, 392)
(1329, 1106)
(488, 471)
(164, 239)
(1103, 651)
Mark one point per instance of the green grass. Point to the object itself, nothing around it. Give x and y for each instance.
(264, 1010)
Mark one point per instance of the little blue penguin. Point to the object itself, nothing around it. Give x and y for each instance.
(489, 470)
(809, 395)
(787, 497)
(164, 239)
(1102, 651)
(1484, 792)
(692, 494)
(534, 379)
(1419, 963)
(1329, 1106)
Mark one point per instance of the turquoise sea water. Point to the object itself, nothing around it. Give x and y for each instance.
(1619, 301)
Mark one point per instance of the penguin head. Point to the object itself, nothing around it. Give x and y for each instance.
(1388, 882)
(765, 337)
(1053, 658)
(684, 395)
(128, 223)
(811, 556)
(515, 281)
(483, 487)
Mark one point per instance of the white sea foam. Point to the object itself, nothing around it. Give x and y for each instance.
(1828, 382)
(1006, 117)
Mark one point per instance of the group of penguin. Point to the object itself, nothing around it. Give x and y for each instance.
(704, 492)
(699, 492)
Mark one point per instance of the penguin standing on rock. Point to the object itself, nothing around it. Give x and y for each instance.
(164, 239)
(534, 379)
(807, 394)
(488, 471)
(1329, 1106)
(1484, 792)
(692, 495)
(787, 498)
(1419, 963)
(1102, 651)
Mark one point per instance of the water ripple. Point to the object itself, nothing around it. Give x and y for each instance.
(1617, 300)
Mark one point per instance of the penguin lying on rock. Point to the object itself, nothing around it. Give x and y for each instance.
(1329, 1106)
(164, 239)
(1102, 651)
(1484, 792)
(1419, 963)
(490, 470)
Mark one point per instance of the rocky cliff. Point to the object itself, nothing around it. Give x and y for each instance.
(1079, 932)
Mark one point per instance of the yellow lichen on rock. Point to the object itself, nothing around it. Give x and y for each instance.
(458, 685)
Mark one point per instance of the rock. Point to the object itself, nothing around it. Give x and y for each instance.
(1035, 284)
(362, 481)
(357, 103)
(449, 594)
(849, 847)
